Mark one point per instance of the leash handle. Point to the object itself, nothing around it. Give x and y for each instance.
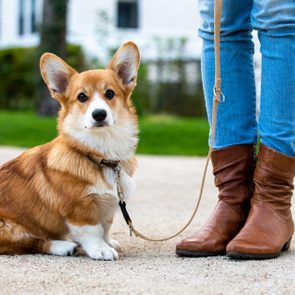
(217, 97)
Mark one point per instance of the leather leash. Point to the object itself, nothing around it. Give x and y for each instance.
(217, 97)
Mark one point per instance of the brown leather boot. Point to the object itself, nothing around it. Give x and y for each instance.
(233, 168)
(269, 227)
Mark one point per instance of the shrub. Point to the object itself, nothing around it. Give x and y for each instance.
(141, 95)
(170, 87)
(17, 75)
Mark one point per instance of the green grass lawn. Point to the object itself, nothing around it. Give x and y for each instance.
(162, 135)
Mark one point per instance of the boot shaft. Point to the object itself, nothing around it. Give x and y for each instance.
(273, 178)
(233, 169)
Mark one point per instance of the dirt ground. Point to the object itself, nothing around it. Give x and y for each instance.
(166, 189)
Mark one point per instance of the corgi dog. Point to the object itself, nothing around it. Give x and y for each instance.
(57, 198)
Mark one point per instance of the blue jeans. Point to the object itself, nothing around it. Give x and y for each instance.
(236, 123)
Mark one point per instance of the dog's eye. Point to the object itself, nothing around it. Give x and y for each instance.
(109, 94)
(82, 97)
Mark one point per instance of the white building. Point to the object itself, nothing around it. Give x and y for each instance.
(157, 26)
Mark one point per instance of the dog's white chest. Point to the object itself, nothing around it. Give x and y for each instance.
(109, 186)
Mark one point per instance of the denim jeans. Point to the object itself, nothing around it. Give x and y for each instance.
(236, 123)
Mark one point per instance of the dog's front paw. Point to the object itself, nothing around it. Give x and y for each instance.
(114, 244)
(63, 248)
(102, 252)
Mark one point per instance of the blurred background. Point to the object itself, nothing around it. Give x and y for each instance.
(85, 33)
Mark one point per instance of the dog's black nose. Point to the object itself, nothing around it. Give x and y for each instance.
(99, 115)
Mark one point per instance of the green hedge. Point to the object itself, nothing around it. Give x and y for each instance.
(170, 87)
(18, 71)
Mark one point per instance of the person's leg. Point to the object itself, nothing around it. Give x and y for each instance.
(269, 227)
(236, 118)
(233, 154)
(275, 22)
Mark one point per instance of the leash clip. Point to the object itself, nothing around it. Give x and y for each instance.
(218, 93)
(117, 169)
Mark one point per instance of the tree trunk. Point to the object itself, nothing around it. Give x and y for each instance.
(52, 39)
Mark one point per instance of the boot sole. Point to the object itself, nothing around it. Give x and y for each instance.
(242, 256)
(187, 253)
(245, 256)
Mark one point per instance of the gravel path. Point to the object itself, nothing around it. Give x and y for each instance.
(165, 195)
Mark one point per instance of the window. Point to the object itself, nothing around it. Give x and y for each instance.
(33, 17)
(127, 14)
(27, 17)
(21, 18)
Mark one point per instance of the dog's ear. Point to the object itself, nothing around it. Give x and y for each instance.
(56, 74)
(125, 64)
